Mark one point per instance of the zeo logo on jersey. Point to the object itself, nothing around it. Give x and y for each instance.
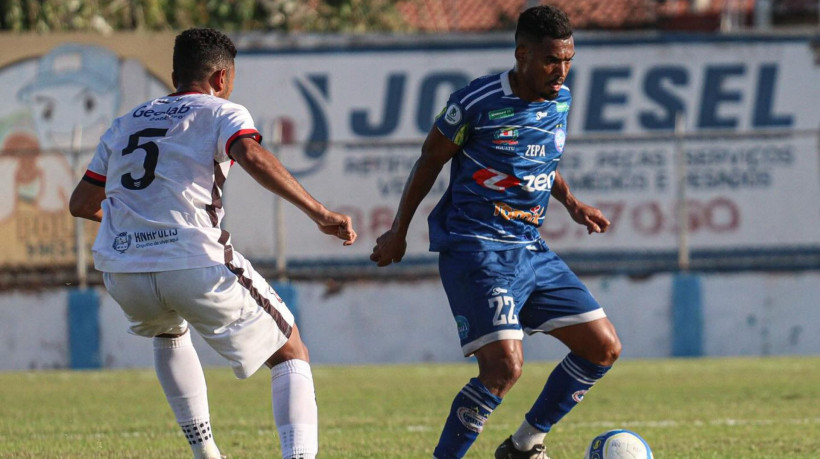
(560, 139)
(453, 114)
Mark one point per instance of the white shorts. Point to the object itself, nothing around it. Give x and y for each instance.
(232, 307)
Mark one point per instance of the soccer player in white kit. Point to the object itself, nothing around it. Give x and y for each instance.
(155, 184)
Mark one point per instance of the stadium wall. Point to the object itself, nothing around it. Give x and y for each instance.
(749, 314)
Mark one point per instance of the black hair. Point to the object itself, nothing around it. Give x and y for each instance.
(539, 22)
(200, 52)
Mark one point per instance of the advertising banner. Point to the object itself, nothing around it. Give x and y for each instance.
(348, 120)
(352, 122)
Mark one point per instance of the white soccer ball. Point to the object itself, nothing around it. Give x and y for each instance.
(618, 444)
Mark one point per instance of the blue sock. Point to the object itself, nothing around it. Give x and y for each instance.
(566, 386)
(470, 410)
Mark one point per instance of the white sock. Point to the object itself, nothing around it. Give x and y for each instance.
(295, 410)
(527, 436)
(180, 375)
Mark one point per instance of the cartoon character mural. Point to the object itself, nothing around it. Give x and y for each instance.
(55, 108)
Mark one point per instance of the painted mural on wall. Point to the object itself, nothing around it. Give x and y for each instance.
(55, 107)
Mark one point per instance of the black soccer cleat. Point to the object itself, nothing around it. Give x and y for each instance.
(507, 450)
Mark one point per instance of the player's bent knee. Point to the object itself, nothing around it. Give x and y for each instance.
(294, 349)
(501, 375)
(607, 348)
(603, 351)
(609, 351)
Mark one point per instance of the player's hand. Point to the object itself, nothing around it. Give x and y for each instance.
(389, 248)
(591, 217)
(339, 225)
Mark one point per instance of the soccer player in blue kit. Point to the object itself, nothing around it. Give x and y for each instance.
(504, 135)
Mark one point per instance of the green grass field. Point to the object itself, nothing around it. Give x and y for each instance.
(699, 408)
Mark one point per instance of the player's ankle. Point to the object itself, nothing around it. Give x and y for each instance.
(207, 450)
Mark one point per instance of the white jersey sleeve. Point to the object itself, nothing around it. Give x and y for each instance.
(235, 123)
(163, 166)
(98, 166)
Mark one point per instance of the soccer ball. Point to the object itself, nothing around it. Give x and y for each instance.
(618, 444)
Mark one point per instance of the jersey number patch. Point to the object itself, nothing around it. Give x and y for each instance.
(151, 155)
(504, 310)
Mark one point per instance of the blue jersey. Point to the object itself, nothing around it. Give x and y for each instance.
(501, 179)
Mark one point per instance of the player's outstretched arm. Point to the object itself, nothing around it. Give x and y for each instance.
(435, 153)
(269, 172)
(86, 200)
(589, 216)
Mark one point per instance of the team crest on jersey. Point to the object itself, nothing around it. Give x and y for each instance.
(505, 137)
(122, 242)
(452, 115)
(560, 139)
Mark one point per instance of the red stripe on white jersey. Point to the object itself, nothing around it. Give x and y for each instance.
(95, 176)
(242, 133)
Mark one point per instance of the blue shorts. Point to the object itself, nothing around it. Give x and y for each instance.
(500, 295)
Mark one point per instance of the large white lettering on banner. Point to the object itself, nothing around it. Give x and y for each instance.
(352, 122)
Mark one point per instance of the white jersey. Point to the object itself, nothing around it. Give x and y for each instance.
(163, 166)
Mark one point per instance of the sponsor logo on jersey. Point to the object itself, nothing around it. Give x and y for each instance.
(561, 107)
(560, 139)
(507, 212)
(122, 242)
(501, 113)
(536, 150)
(539, 115)
(495, 180)
(539, 182)
(471, 419)
(506, 137)
(578, 395)
(452, 115)
(144, 236)
(154, 238)
(463, 326)
(145, 112)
